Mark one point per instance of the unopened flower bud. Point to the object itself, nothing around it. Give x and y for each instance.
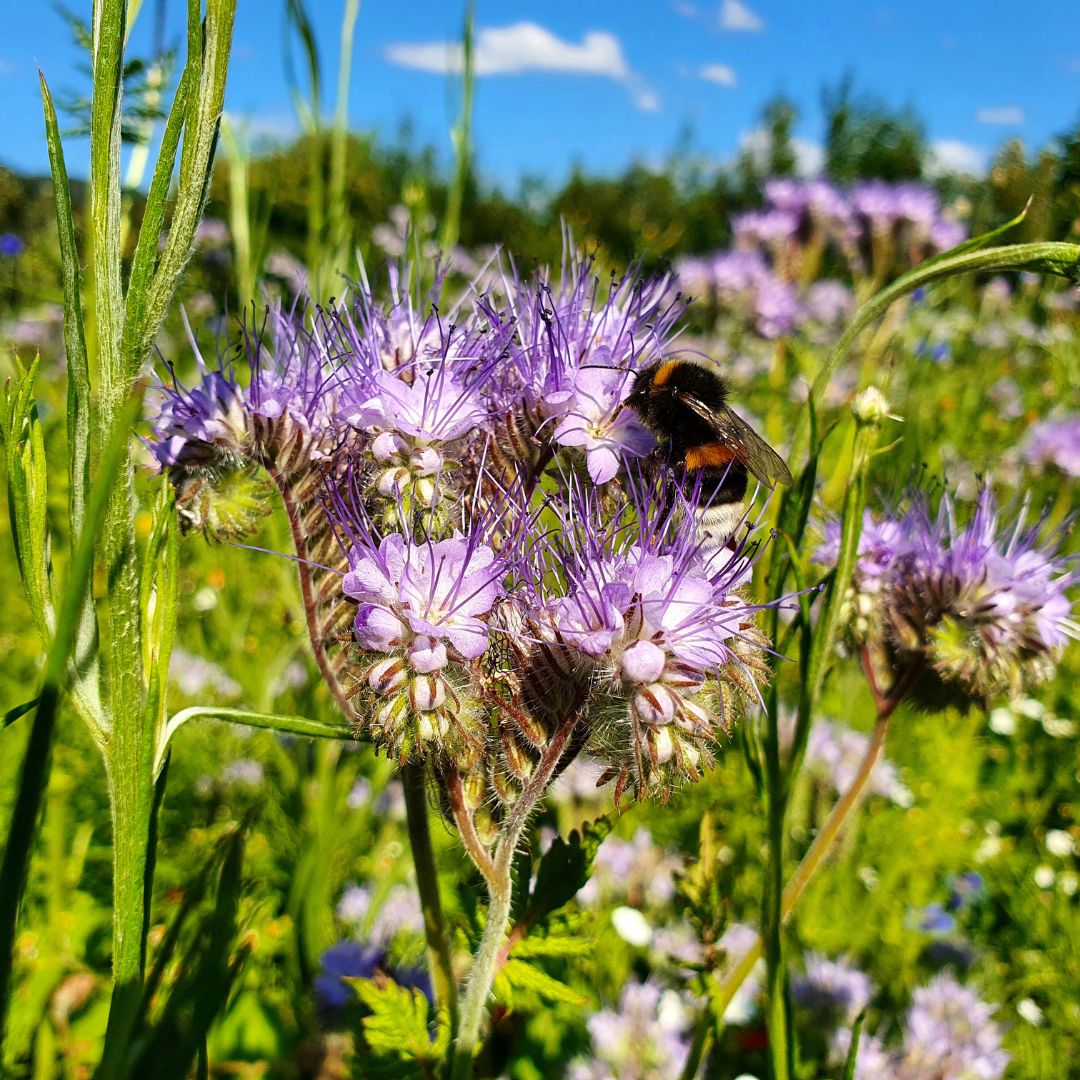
(388, 676)
(387, 445)
(656, 705)
(392, 482)
(642, 662)
(426, 693)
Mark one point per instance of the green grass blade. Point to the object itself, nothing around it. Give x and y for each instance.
(853, 1050)
(80, 434)
(18, 712)
(462, 140)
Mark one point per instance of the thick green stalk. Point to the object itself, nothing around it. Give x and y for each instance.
(427, 883)
(35, 769)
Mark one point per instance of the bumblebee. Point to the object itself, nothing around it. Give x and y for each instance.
(703, 443)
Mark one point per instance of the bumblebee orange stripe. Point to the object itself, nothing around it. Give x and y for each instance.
(713, 455)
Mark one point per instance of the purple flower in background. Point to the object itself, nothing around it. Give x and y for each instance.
(345, 960)
(11, 245)
(1054, 442)
(936, 920)
(965, 890)
(833, 989)
(645, 1038)
(951, 1034)
(829, 302)
(834, 753)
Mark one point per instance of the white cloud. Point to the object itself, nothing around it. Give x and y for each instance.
(735, 15)
(809, 156)
(685, 9)
(526, 46)
(1004, 114)
(954, 156)
(720, 74)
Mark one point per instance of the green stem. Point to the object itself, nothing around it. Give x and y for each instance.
(427, 884)
(500, 894)
(814, 857)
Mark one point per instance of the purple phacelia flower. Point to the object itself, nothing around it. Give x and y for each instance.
(592, 418)
(645, 1038)
(1055, 442)
(424, 597)
(833, 989)
(983, 607)
(658, 627)
(951, 1033)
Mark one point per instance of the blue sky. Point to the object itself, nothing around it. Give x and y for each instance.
(605, 83)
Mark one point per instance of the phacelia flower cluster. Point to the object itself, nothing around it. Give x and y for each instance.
(491, 583)
(979, 609)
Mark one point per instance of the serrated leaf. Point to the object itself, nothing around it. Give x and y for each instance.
(551, 946)
(518, 982)
(397, 1030)
(564, 869)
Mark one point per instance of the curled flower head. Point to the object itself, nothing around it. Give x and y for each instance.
(577, 346)
(423, 605)
(211, 437)
(983, 607)
(661, 632)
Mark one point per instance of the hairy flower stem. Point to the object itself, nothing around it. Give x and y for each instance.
(500, 892)
(823, 842)
(427, 884)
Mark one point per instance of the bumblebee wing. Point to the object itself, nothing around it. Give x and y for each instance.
(753, 451)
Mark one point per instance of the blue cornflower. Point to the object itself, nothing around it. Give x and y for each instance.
(11, 244)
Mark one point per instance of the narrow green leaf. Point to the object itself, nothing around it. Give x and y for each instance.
(211, 44)
(19, 711)
(35, 769)
(146, 248)
(110, 18)
(290, 725)
(853, 1050)
(80, 427)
